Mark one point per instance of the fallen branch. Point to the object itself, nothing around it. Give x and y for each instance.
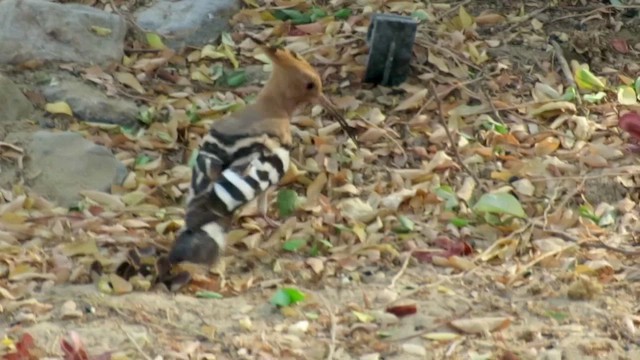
(454, 147)
(566, 69)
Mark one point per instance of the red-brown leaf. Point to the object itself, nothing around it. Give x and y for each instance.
(620, 45)
(630, 122)
(402, 310)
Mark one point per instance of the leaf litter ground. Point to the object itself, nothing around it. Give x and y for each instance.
(488, 212)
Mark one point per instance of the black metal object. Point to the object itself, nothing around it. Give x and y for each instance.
(390, 38)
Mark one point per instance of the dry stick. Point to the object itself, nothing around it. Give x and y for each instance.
(450, 11)
(566, 69)
(405, 264)
(134, 342)
(446, 92)
(582, 15)
(332, 317)
(454, 147)
(526, 18)
(493, 108)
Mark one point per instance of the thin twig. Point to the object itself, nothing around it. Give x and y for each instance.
(454, 147)
(583, 15)
(134, 342)
(450, 11)
(397, 276)
(332, 330)
(493, 108)
(566, 69)
(386, 134)
(524, 19)
(445, 93)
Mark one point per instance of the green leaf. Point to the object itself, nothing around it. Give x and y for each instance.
(446, 193)
(146, 116)
(143, 159)
(295, 16)
(557, 315)
(570, 94)
(636, 86)
(585, 211)
(209, 295)
(627, 95)
(192, 113)
(287, 202)
(326, 243)
(127, 130)
(155, 41)
(193, 157)
(594, 98)
(420, 15)
(236, 78)
(293, 244)
(311, 315)
(342, 14)
(587, 80)
(500, 203)
(406, 225)
(315, 248)
(500, 128)
(164, 136)
(216, 71)
(459, 222)
(317, 13)
(287, 296)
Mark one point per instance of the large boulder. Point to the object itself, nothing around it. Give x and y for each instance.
(38, 29)
(188, 22)
(13, 104)
(89, 103)
(61, 164)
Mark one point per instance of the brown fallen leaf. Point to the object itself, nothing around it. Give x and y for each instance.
(481, 325)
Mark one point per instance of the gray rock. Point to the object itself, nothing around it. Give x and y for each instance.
(61, 164)
(58, 32)
(188, 22)
(13, 104)
(91, 104)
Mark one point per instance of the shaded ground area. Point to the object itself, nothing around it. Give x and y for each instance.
(394, 261)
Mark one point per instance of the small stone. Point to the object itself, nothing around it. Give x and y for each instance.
(299, 328)
(384, 318)
(386, 296)
(551, 354)
(372, 356)
(69, 310)
(119, 285)
(246, 323)
(414, 349)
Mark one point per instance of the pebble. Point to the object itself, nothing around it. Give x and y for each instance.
(299, 328)
(372, 356)
(69, 310)
(414, 349)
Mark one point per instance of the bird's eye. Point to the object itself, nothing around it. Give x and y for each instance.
(310, 85)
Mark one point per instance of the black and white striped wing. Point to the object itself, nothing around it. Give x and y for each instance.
(209, 212)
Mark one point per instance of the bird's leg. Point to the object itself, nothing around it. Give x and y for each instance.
(263, 208)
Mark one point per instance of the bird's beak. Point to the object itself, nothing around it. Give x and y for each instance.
(331, 108)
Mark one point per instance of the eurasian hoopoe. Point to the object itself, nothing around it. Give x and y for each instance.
(244, 154)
